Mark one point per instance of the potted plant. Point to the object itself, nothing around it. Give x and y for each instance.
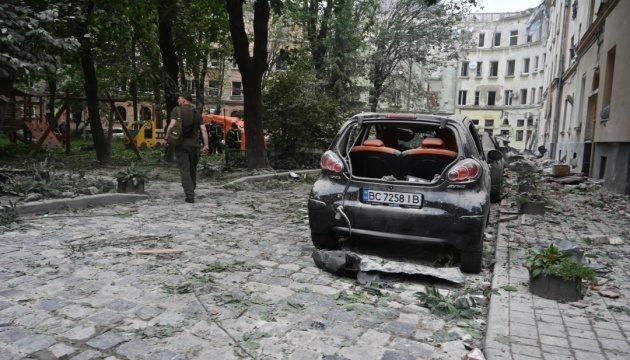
(553, 275)
(531, 203)
(530, 199)
(131, 180)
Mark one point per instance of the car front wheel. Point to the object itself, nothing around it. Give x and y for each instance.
(328, 241)
(470, 261)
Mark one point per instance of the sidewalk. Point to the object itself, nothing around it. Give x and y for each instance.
(522, 326)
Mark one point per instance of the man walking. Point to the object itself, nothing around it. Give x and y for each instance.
(187, 152)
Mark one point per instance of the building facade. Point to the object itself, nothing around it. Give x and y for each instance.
(585, 122)
(500, 82)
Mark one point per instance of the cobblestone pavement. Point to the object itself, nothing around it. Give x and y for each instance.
(522, 326)
(244, 287)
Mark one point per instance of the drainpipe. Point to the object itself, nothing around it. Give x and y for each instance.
(556, 113)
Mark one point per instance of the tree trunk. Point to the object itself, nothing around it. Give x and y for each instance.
(133, 84)
(6, 90)
(169, 55)
(91, 87)
(317, 37)
(201, 92)
(158, 108)
(52, 86)
(377, 87)
(252, 70)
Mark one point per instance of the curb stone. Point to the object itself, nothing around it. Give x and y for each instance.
(79, 202)
(256, 178)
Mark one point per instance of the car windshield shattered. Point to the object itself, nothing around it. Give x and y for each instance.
(404, 178)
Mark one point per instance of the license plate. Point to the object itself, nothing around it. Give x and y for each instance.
(392, 198)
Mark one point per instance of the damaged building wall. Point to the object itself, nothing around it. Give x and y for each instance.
(612, 131)
(612, 163)
(500, 83)
(586, 123)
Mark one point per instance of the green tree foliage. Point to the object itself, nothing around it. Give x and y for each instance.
(334, 32)
(413, 30)
(203, 33)
(298, 115)
(26, 47)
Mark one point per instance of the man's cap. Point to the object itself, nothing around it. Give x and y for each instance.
(186, 96)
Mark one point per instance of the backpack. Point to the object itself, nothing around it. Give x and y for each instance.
(176, 135)
(179, 132)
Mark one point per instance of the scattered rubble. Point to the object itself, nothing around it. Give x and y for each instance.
(474, 354)
(346, 263)
(608, 292)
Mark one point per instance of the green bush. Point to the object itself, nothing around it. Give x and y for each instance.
(298, 115)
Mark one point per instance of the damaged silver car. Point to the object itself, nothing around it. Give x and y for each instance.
(404, 178)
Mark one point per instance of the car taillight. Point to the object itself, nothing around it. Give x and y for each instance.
(330, 161)
(467, 170)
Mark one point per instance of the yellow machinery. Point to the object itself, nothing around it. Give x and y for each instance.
(145, 133)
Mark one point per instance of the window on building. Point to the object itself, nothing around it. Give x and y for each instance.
(491, 97)
(508, 97)
(511, 64)
(497, 39)
(214, 60)
(488, 123)
(526, 66)
(494, 68)
(464, 70)
(513, 37)
(523, 96)
(234, 64)
(543, 62)
(530, 122)
(477, 96)
(396, 97)
(237, 88)
(475, 121)
(520, 122)
(479, 73)
(505, 133)
(530, 38)
(462, 97)
(213, 88)
(528, 133)
(535, 63)
(482, 40)
(540, 94)
(191, 87)
(610, 75)
(533, 97)
(519, 135)
(506, 122)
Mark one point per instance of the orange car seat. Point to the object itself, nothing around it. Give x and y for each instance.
(374, 160)
(427, 161)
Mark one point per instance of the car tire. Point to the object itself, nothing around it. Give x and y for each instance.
(327, 241)
(470, 261)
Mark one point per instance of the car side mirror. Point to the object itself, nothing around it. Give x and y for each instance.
(495, 155)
